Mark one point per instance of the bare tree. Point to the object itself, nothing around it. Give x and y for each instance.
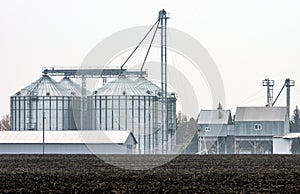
(5, 123)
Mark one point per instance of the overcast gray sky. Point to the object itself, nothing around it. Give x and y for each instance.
(248, 40)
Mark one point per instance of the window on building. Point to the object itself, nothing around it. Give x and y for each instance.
(257, 127)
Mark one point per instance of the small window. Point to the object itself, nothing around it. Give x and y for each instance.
(257, 127)
(207, 129)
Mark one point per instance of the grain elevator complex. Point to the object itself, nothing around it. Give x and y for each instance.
(130, 102)
(131, 114)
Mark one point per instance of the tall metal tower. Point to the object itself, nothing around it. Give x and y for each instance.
(162, 16)
(288, 84)
(269, 84)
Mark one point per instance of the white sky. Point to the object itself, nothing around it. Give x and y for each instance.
(249, 40)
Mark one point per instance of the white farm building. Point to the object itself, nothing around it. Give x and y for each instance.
(67, 142)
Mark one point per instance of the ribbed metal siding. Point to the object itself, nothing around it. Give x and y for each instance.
(44, 112)
(134, 113)
(273, 128)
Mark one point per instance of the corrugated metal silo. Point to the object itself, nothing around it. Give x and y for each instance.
(145, 84)
(120, 105)
(44, 105)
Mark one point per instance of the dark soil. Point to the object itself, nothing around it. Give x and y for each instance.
(184, 174)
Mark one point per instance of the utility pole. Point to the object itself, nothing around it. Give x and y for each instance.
(44, 132)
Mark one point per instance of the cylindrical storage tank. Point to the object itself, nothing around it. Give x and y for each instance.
(44, 105)
(75, 89)
(172, 124)
(119, 105)
(143, 83)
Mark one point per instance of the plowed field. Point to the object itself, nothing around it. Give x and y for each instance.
(186, 173)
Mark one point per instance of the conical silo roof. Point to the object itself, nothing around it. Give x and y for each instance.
(44, 86)
(121, 86)
(149, 86)
(71, 86)
(145, 84)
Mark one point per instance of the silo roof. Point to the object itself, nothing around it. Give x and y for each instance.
(147, 85)
(122, 86)
(143, 83)
(44, 86)
(71, 86)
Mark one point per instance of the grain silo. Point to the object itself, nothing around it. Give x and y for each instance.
(75, 89)
(120, 105)
(145, 84)
(44, 105)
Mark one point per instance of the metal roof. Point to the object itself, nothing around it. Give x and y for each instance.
(101, 137)
(71, 86)
(122, 86)
(214, 117)
(260, 114)
(44, 86)
(143, 83)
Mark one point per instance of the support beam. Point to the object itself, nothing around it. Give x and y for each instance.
(93, 72)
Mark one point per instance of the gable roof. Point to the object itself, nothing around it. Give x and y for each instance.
(260, 114)
(101, 137)
(214, 117)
